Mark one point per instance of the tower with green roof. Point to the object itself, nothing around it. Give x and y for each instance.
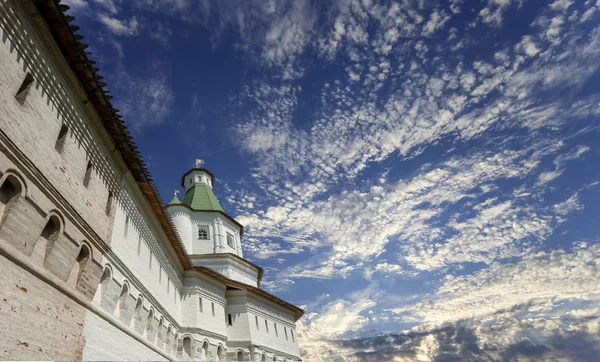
(211, 237)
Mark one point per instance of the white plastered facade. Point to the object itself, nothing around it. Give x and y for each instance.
(133, 299)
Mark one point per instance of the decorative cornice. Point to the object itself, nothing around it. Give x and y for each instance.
(298, 312)
(238, 258)
(204, 333)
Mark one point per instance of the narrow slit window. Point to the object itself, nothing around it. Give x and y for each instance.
(285, 331)
(62, 137)
(229, 320)
(213, 309)
(109, 202)
(276, 333)
(266, 326)
(200, 307)
(24, 89)
(88, 175)
(126, 225)
(256, 320)
(292, 334)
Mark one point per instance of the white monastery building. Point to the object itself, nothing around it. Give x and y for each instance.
(94, 266)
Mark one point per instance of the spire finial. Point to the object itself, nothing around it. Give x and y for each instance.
(175, 192)
(199, 162)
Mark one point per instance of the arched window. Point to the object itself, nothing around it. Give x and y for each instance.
(264, 357)
(175, 343)
(104, 280)
(159, 335)
(220, 353)
(274, 358)
(240, 356)
(9, 194)
(187, 348)
(122, 299)
(148, 328)
(204, 350)
(202, 233)
(79, 266)
(45, 242)
(139, 304)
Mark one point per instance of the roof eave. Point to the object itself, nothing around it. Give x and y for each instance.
(72, 50)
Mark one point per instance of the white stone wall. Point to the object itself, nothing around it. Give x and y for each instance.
(181, 220)
(34, 126)
(143, 251)
(239, 330)
(274, 315)
(187, 223)
(212, 317)
(99, 334)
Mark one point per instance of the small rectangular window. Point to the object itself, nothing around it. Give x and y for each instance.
(266, 326)
(24, 89)
(213, 309)
(62, 136)
(230, 241)
(200, 307)
(88, 174)
(229, 321)
(109, 202)
(126, 226)
(276, 333)
(256, 319)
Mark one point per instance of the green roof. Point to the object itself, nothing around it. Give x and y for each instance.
(201, 197)
(175, 200)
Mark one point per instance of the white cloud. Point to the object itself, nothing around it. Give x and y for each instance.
(76, 4)
(527, 46)
(108, 5)
(436, 21)
(120, 27)
(562, 5)
(147, 101)
(546, 279)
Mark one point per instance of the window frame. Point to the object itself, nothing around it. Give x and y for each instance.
(205, 229)
(230, 235)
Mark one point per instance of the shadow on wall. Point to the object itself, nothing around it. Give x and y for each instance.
(42, 237)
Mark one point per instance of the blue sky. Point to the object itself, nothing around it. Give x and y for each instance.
(422, 177)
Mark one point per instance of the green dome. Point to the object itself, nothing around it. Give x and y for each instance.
(201, 197)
